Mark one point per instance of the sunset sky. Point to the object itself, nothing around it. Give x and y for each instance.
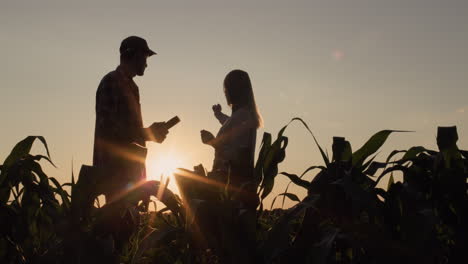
(348, 68)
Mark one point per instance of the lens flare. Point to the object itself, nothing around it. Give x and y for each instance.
(161, 167)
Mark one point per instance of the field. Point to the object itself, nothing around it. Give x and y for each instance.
(345, 217)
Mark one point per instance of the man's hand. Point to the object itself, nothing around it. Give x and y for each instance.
(217, 108)
(207, 137)
(158, 132)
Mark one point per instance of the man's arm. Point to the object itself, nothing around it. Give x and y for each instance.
(113, 120)
(156, 132)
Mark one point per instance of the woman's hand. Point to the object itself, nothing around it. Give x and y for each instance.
(207, 137)
(217, 108)
(218, 114)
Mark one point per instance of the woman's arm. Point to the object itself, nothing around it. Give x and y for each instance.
(208, 138)
(219, 114)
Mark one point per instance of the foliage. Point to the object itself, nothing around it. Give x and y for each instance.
(43, 223)
(346, 217)
(421, 219)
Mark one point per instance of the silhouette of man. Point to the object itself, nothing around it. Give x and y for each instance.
(120, 138)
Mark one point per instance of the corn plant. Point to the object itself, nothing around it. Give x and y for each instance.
(348, 219)
(344, 218)
(43, 223)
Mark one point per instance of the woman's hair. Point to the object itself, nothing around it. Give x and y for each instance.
(238, 91)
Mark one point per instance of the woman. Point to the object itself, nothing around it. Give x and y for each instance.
(235, 142)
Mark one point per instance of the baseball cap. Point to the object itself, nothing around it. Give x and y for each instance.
(134, 43)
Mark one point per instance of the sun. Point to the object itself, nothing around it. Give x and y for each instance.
(161, 167)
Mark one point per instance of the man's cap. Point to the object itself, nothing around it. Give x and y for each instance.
(134, 43)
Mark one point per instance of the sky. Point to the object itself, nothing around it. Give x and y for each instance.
(348, 68)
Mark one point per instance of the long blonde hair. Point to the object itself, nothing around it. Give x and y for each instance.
(238, 91)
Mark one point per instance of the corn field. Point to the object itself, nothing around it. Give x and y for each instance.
(344, 218)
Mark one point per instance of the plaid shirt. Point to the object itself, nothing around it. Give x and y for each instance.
(118, 125)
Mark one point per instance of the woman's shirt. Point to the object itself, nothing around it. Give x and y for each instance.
(235, 146)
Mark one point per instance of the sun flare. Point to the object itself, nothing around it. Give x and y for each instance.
(161, 166)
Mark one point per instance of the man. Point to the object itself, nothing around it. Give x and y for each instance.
(120, 138)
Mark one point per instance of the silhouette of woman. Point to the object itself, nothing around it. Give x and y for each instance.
(235, 142)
